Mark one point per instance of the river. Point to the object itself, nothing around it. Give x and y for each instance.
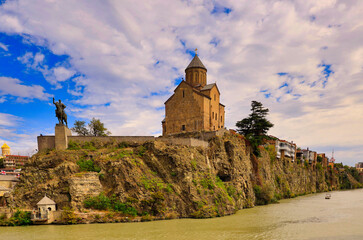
(306, 217)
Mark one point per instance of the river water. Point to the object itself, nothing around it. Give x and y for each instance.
(307, 217)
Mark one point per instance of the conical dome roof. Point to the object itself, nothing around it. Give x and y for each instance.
(5, 146)
(196, 63)
(46, 201)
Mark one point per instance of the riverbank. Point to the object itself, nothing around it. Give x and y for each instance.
(108, 182)
(306, 217)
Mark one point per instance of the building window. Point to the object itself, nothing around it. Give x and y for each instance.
(215, 98)
(183, 93)
(183, 128)
(216, 117)
(212, 115)
(221, 119)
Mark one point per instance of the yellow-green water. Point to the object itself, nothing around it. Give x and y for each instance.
(308, 217)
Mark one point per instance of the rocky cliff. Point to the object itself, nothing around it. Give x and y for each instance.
(168, 181)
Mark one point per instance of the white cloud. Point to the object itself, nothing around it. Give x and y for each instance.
(20, 143)
(8, 120)
(53, 75)
(14, 87)
(116, 45)
(4, 47)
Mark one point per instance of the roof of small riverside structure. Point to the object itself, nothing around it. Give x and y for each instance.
(196, 63)
(46, 201)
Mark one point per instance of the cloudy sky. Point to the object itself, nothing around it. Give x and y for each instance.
(120, 61)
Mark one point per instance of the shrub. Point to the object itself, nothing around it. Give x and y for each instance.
(193, 163)
(264, 194)
(102, 202)
(123, 145)
(278, 180)
(20, 218)
(141, 150)
(89, 146)
(271, 152)
(69, 217)
(231, 190)
(88, 165)
(154, 205)
(73, 145)
(306, 164)
(207, 183)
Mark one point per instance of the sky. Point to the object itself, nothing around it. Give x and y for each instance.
(120, 60)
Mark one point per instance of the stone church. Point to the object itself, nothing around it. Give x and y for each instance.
(195, 105)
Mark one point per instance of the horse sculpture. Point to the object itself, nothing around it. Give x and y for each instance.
(60, 113)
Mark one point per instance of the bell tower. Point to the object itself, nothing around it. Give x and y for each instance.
(196, 73)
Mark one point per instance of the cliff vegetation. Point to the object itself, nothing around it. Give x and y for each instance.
(113, 182)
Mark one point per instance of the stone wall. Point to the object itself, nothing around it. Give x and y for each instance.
(136, 139)
(185, 141)
(46, 142)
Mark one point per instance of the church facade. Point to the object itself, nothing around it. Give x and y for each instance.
(195, 105)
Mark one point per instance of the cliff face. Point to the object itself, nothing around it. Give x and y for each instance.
(169, 181)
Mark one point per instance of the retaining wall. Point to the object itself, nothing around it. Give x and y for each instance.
(136, 139)
(48, 142)
(184, 141)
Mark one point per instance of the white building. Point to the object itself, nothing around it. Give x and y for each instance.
(45, 206)
(311, 156)
(288, 149)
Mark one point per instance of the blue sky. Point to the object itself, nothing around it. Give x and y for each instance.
(120, 61)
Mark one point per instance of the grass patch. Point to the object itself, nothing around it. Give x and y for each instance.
(193, 163)
(102, 202)
(207, 183)
(88, 165)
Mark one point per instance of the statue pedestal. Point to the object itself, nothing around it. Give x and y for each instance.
(61, 137)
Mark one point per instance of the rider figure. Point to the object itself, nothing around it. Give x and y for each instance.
(60, 113)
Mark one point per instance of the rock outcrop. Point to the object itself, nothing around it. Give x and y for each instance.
(169, 181)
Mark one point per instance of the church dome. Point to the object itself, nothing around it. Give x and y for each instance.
(196, 63)
(5, 146)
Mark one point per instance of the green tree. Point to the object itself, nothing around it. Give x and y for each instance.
(80, 128)
(94, 128)
(97, 128)
(255, 126)
(256, 123)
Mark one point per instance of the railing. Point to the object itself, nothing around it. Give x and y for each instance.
(39, 216)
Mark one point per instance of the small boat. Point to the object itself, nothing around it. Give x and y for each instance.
(327, 196)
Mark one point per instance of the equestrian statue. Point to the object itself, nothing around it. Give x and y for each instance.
(60, 113)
